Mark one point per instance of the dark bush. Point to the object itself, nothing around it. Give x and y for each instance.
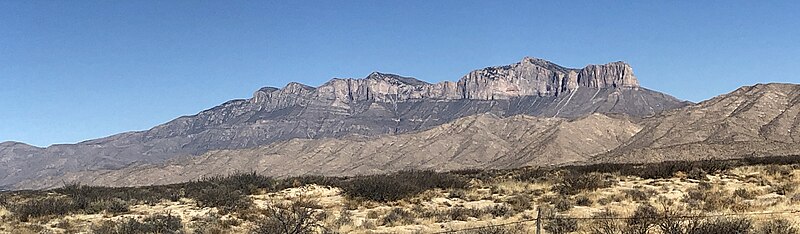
(520, 203)
(639, 194)
(398, 216)
(777, 226)
(159, 223)
(745, 194)
(644, 217)
(606, 222)
(583, 201)
(114, 205)
(697, 173)
(721, 226)
(35, 208)
(463, 214)
(224, 197)
(300, 216)
(570, 182)
(508, 229)
(401, 185)
(560, 225)
(562, 203)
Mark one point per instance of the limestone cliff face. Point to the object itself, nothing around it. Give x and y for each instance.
(529, 77)
(377, 105)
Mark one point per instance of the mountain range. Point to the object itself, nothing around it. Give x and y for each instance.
(530, 113)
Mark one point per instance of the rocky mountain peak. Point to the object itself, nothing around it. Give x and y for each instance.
(610, 75)
(395, 79)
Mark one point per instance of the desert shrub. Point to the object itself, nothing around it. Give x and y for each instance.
(507, 229)
(345, 218)
(721, 226)
(246, 183)
(224, 197)
(533, 175)
(34, 208)
(499, 210)
(708, 197)
(778, 170)
(213, 224)
(571, 183)
(520, 202)
(463, 214)
(560, 225)
(606, 222)
(784, 188)
(158, 223)
(697, 174)
(639, 194)
(745, 193)
(373, 214)
(114, 205)
(301, 216)
(401, 185)
(398, 216)
(583, 201)
(644, 217)
(777, 226)
(562, 203)
(458, 193)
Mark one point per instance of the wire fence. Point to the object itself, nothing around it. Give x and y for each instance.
(680, 217)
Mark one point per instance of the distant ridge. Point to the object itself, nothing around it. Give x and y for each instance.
(376, 105)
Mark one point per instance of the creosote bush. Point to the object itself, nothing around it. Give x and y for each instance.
(560, 225)
(158, 223)
(400, 185)
(301, 216)
(40, 207)
(571, 183)
(398, 216)
(777, 226)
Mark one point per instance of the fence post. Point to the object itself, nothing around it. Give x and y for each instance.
(538, 220)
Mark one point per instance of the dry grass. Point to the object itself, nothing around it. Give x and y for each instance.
(486, 201)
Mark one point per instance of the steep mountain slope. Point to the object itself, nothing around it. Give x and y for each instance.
(760, 120)
(380, 104)
(481, 141)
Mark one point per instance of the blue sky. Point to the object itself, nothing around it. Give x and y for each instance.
(76, 70)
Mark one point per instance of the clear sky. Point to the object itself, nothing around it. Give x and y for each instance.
(76, 70)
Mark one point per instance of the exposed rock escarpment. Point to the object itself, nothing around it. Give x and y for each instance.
(379, 104)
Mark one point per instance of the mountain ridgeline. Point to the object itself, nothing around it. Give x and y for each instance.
(372, 108)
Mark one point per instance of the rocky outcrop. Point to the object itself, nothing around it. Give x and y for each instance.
(377, 105)
(529, 77)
